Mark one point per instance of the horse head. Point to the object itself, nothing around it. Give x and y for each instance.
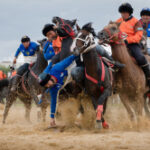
(111, 34)
(60, 21)
(83, 41)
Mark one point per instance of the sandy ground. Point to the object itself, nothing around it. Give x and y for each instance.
(17, 134)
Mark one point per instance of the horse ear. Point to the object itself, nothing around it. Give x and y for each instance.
(111, 22)
(78, 28)
(118, 23)
(74, 22)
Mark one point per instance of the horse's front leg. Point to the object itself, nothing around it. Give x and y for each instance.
(101, 108)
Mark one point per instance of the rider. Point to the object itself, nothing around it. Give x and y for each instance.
(28, 49)
(52, 78)
(78, 72)
(53, 43)
(145, 21)
(134, 31)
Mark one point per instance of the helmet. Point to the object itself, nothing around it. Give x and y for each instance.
(145, 12)
(47, 28)
(25, 39)
(126, 7)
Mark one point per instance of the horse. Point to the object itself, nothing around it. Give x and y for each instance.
(130, 81)
(97, 82)
(28, 88)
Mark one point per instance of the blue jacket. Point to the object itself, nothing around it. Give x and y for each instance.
(59, 71)
(148, 30)
(48, 50)
(30, 51)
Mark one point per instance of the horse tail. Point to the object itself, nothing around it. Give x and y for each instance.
(4, 83)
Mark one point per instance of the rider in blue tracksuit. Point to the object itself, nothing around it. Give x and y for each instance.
(53, 78)
(28, 49)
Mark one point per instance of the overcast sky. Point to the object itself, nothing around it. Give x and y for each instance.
(27, 17)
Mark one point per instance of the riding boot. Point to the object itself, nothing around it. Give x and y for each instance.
(115, 64)
(15, 81)
(102, 52)
(146, 70)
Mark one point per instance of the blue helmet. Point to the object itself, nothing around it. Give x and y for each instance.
(145, 12)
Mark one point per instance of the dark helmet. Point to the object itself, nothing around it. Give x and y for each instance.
(126, 7)
(25, 39)
(44, 78)
(88, 27)
(47, 28)
(145, 12)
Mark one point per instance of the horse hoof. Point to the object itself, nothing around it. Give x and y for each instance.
(3, 122)
(98, 125)
(105, 125)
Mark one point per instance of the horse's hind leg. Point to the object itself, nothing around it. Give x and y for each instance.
(9, 101)
(138, 106)
(27, 109)
(126, 103)
(43, 109)
(147, 106)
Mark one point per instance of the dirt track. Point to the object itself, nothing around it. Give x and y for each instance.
(17, 134)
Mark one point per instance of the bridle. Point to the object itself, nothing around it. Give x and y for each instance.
(120, 36)
(88, 43)
(71, 34)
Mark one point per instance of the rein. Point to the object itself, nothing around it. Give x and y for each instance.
(71, 34)
(119, 36)
(32, 73)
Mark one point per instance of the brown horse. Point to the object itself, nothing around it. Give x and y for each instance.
(130, 81)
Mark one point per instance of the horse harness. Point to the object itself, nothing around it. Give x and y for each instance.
(90, 78)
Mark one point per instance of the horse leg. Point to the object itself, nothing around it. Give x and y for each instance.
(100, 106)
(104, 123)
(9, 101)
(138, 106)
(34, 96)
(43, 109)
(147, 106)
(44, 103)
(126, 103)
(27, 109)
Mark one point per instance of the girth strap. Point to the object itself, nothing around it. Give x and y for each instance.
(102, 75)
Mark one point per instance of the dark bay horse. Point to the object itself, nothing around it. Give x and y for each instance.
(99, 89)
(130, 81)
(68, 26)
